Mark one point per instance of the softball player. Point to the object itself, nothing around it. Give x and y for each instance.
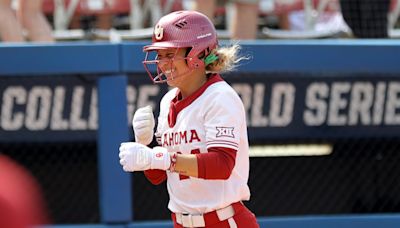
(203, 152)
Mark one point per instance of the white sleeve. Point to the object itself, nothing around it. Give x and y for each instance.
(224, 120)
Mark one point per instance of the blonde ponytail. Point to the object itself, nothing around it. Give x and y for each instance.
(228, 59)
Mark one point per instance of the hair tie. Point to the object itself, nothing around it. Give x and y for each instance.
(210, 59)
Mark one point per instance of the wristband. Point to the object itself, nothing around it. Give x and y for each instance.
(173, 162)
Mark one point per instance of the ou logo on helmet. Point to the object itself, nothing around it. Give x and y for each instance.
(158, 32)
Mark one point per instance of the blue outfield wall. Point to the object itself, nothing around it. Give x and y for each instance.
(360, 221)
(268, 56)
(113, 62)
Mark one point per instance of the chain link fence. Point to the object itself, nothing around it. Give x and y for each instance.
(359, 176)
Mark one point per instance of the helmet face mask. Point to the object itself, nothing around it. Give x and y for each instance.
(164, 70)
(180, 30)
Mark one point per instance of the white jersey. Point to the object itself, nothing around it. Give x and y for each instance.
(212, 118)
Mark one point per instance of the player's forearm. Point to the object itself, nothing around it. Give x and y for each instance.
(186, 164)
(217, 164)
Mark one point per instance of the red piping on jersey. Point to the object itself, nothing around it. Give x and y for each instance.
(155, 176)
(217, 164)
(178, 105)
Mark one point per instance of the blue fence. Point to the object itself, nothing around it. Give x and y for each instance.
(112, 63)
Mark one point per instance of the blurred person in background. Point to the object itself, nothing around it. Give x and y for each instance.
(28, 17)
(366, 18)
(203, 151)
(324, 15)
(245, 19)
(21, 201)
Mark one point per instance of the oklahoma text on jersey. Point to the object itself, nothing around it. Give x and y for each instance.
(177, 138)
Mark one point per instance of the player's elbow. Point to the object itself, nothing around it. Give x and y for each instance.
(229, 164)
(227, 171)
(155, 176)
(158, 182)
(226, 175)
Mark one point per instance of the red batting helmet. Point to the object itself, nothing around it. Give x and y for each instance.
(182, 29)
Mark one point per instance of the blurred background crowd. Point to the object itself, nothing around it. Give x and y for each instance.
(115, 20)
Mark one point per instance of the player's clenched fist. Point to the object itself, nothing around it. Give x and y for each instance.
(137, 157)
(143, 125)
